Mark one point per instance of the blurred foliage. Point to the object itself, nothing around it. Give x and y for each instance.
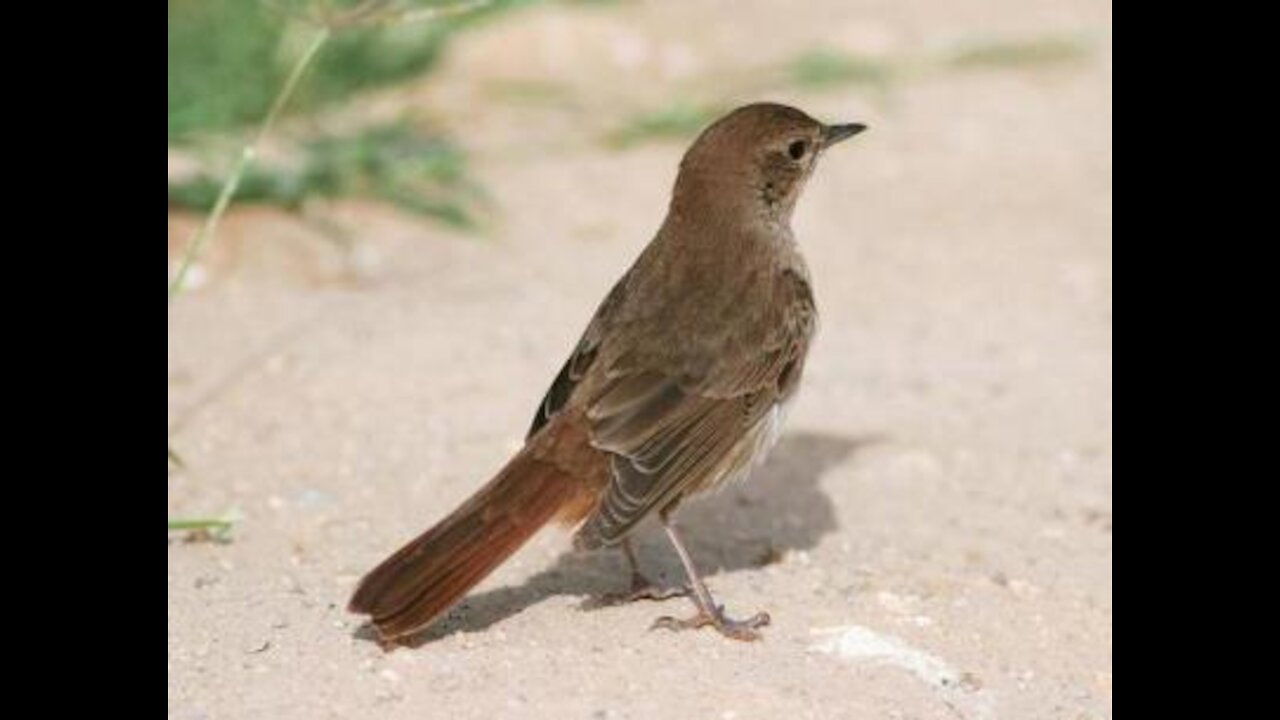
(1040, 51)
(228, 58)
(529, 92)
(822, 68)
(223, 68)
(417, 171)
(677, 120)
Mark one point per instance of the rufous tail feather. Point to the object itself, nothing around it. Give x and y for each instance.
(422, 580)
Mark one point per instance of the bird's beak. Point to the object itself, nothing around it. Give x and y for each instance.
(836, 133)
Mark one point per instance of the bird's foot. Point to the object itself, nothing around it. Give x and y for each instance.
(730, 628)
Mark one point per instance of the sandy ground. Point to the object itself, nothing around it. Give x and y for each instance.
(933, 536)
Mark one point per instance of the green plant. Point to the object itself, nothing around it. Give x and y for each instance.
(678, 120)
(396, 162)
(822, 68)
(324, 23)
(228, 58)
(215, 529)
(1007, 53)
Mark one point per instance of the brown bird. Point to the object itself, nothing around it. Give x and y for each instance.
(677, 386)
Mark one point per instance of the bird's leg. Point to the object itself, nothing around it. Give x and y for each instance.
(708, 612)
(642, 588)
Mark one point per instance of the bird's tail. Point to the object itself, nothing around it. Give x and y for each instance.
(423, 579)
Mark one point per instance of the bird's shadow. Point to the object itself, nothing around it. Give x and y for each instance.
(750, 525)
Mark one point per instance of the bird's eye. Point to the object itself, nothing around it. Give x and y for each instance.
(797, 149)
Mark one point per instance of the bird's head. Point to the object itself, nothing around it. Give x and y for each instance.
(756, 158)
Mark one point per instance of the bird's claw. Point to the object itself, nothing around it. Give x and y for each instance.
(730, 628)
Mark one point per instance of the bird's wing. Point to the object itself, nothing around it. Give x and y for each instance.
(668, 435)
(579, 362)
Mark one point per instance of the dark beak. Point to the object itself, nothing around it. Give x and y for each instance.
(836, 133)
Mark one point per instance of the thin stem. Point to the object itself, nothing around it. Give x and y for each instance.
(247, 155)
(200, 524)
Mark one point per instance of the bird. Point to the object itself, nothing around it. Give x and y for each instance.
(677, 387)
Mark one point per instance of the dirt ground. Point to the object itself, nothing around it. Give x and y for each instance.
(933, 535)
